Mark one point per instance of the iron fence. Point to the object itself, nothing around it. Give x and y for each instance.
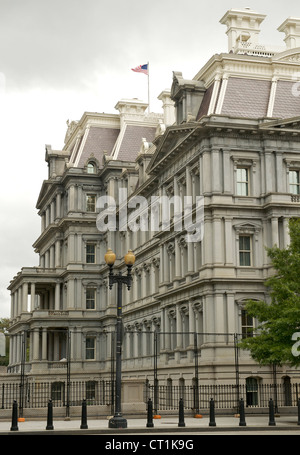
(62, 393)
(164, 397)
(226, 396)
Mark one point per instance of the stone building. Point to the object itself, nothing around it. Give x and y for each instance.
(229, 139)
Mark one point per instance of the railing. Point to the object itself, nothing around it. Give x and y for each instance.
(37, 394)
(226, 396)
(164, 397)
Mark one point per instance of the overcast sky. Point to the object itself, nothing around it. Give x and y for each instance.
(60, 58)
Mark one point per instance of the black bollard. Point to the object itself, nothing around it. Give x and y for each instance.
(181, 414)
(271, 413)
(84, 425)
(242, 413)
(50, 416)
(150, 414)
(298, 411)
(14, 420)
(212, 421)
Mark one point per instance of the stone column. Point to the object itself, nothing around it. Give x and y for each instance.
(35, 344)
(57, 254)
(24, 297)
(43, 222)
(32, 294)
(219, 317)
(79, 248)
(52, 212)
(286, 235)
(71, 247)
(71, 199)
(51, 261)
(231, 316)
(58, 205)
(79, 198)
(177, 259)
(178, 327)
(275, 238)
(44, 344)
(228, 242)
(47, 217)
(167, 330)
(70, 294)
(19, 300)
(217, 240)
(57, 297)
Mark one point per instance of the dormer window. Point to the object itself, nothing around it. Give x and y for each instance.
(91, 168)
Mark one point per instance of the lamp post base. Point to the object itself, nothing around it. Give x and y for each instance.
(117, 422)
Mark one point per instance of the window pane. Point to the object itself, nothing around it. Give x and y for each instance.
(90, 299)
(244, 243)
(242, 181)
(90, 390)
(294, 182)
(90, 253)
(91, 168)
(245, 251)
(91, 203)
(90, 348)
(247, 325)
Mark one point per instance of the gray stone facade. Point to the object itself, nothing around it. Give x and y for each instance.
(227, 136)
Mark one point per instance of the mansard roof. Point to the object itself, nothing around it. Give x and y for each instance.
(253, 86)
(118, 136)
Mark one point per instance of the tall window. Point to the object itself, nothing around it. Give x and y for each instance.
(245, 250)
(90, 390)
(247, 325)
(90, 298)
(90, 348)
(91, 203)
(242, 181)
(294, 182)
(90, 253)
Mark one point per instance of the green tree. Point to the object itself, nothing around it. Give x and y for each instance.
(274, 341)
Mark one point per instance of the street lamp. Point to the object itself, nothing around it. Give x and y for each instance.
(118, 421)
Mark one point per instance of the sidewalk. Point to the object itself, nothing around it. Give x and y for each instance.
(161, 426)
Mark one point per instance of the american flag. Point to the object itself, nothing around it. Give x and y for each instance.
(141, 69)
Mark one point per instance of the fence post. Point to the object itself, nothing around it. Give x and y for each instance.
(14, 420)
(181, 414)
(150, 414)
(271, 413)
(83, 425)
(242, 413)
(50, 416)
(212, 421)
(3, 388)
(298, 411)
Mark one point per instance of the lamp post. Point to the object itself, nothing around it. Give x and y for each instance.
(118, 421)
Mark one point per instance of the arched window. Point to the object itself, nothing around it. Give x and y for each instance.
(91, 168)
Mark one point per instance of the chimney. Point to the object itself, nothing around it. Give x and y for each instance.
(291, 28)
(168, 107)
(243, 26)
